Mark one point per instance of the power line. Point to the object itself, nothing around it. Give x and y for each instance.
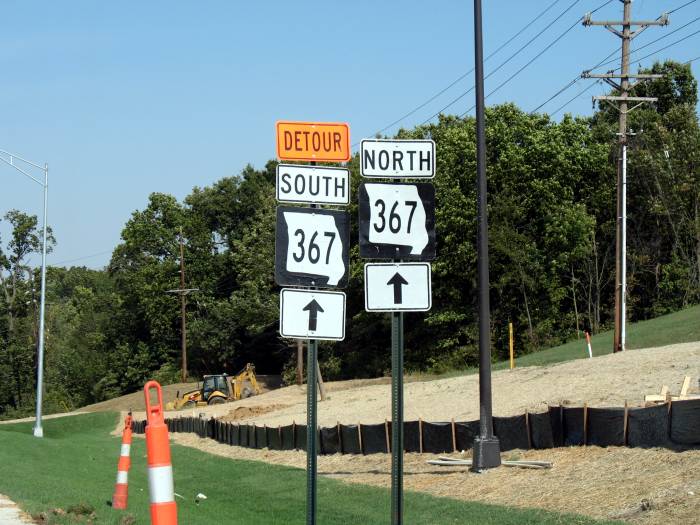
(506, 81)
(604, 61)
(462, 95)
(654, 41)
(583, 91)
(82, 258)
(643, 58)
(666, 47)
(571, 83)
(461, 77)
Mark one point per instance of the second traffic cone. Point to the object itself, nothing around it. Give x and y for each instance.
(160, 469)
(121, 489)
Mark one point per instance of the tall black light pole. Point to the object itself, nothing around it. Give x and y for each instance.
(487, 453)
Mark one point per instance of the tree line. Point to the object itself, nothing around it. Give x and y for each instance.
(552, 243)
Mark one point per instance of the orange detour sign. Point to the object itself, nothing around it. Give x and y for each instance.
(160, 469)
(121, 489)
(313, 141)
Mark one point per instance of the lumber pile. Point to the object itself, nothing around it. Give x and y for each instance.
(666, 396)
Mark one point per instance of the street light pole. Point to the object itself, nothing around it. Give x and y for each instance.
(486, 449)
(38, 429)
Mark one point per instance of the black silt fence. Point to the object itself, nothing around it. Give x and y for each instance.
(374, 439)
(675, 425)
(350, 439)
(411, 436)
(605, 427)
(573, 426)
(437, 437)
(274, 439)
(465, 432)
(685, 422)
(260, 437)
(287, 433)
(649, 427)
(330, 440)
(541, 432)
(511, 432)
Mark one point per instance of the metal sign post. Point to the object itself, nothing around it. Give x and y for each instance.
(311, 422)
(311, 251)
(396, 418)
(397, 222)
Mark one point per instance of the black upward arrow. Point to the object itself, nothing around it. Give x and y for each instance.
(398, 281)
(313, 308)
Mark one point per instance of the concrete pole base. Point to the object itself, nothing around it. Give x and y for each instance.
(38, 432)
(487, 454)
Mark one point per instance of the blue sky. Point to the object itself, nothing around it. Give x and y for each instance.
(126, 98)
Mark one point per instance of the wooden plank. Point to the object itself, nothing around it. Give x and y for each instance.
(685, 387)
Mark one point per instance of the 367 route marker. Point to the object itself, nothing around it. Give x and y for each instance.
(397, 221)
(311, 247)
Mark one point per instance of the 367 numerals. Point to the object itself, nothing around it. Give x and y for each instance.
(311, 251)
(393, 221)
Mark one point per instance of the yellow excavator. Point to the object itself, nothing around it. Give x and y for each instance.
(219, 388)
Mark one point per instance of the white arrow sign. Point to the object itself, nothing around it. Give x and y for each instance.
(391, 159)
(313, 184)
(397, 287)
(312, 314)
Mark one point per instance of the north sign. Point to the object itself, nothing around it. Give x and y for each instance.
(397, 287)
(397, 221)
(312, 314)
(313, 184)
(311, 247)
(392, 159)
(313, 141)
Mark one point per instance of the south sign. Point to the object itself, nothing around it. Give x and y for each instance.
(313, 184)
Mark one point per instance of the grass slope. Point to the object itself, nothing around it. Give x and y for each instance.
(678, 327)
(76, 462)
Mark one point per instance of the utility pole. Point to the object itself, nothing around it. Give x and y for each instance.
(621, 104)
(183, 292)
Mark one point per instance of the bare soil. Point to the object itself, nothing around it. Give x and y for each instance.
(641, 486)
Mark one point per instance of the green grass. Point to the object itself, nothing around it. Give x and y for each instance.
(75, 463)
(678, 327)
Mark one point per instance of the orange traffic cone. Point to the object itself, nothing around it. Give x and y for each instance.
(121, 489)
(160, 469)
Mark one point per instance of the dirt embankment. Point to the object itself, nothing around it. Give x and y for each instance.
(641, 486)
(608, 380)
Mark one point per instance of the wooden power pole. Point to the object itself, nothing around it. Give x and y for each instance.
(183, 292)
(621, 103)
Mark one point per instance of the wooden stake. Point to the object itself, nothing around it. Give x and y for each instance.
(420, 435)
(510, 346)
(454, 437)
(386, 434)
(340, 437)
(527, 429)
(359, 434)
